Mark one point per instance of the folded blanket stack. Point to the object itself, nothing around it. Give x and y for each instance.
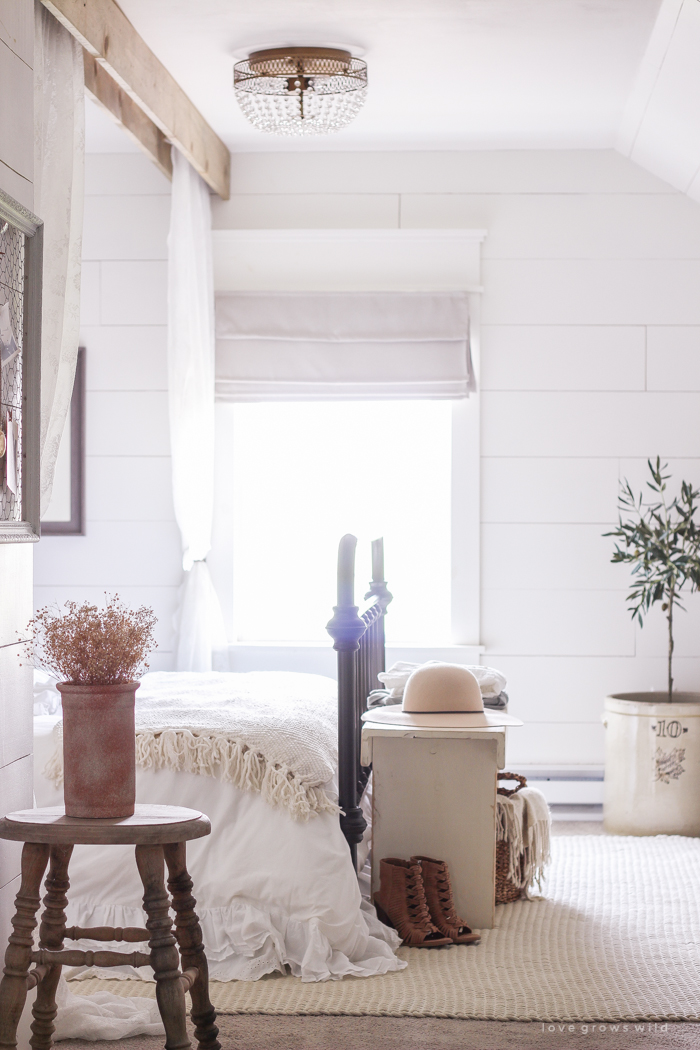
(491, 682)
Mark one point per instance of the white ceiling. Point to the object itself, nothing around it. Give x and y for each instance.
(443, 74)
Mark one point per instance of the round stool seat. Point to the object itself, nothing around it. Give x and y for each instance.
(149, 826)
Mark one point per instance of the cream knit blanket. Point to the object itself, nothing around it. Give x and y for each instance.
(270, 732)
(524, 822)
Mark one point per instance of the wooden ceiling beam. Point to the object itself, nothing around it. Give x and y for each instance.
(106, 33)
(122, 108)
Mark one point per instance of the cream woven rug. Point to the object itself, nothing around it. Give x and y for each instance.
(617, 938)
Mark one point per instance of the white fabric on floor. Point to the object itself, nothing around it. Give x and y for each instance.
(191, 410)
(272, 891)
(103, 1015)
(59, 152)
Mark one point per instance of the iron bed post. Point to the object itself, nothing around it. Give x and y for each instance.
(346, 628)
(372, 644)
(359, 642)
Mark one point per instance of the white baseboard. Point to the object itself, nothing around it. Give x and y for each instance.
(588, 813)
(566, 785)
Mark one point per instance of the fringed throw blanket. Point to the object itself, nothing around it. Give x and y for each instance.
(270, 732)
(524, 822)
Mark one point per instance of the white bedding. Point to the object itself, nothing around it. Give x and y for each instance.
(272, 891)
(271, 732)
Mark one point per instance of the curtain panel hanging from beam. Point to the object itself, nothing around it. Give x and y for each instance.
(59, 156)
(325, 346)
(200, 630)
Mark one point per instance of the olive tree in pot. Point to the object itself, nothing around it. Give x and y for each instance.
(97, 655)
(652, 746)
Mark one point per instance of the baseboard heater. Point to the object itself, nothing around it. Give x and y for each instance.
(575, 773)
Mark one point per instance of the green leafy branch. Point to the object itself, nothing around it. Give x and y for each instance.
(660, 541)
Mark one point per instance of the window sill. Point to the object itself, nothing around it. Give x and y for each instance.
(317, 658)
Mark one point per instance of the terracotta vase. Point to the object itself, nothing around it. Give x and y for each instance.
(99, 749)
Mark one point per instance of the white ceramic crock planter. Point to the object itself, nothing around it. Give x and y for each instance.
(652, 764)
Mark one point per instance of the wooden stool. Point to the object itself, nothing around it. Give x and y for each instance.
(159, 834)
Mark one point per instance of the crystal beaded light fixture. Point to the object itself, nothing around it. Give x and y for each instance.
(300, 90)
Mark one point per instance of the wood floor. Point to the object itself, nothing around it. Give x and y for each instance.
(407, 1033)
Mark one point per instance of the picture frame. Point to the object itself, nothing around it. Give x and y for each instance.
(74, 477)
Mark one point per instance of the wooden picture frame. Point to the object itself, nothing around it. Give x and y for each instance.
(75, 526)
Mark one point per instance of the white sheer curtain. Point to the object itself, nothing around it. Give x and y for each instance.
(59, 151)
(191, 405)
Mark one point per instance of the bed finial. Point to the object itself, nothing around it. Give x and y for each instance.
(347, 627)
(346, 570)
(378, 560)
(378, 587)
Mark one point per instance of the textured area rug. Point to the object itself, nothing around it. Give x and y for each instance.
(616, 937)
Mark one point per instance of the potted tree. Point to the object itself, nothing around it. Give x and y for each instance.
(652, 745)
(96, 655)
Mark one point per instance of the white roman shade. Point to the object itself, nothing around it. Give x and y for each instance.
(306, 346)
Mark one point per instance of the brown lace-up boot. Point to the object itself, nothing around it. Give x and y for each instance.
(438, 892)
(401, 904)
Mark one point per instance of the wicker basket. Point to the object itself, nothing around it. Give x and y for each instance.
(506, 889)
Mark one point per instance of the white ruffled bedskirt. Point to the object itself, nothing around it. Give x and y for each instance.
(244, 942)
(272, 892)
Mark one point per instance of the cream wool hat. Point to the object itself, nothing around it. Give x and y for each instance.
(441, 696)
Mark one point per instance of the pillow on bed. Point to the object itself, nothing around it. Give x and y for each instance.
(47, 699)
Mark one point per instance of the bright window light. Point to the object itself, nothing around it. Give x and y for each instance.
(305, 473)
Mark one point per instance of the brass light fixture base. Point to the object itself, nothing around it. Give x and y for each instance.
(286, 61)
(300, 90)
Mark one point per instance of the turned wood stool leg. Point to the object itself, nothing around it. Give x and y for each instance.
(164, 954)
(51, 931)
(18, 957)
(189, 937)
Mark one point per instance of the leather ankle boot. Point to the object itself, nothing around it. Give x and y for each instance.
(401, 904)
(438, 892)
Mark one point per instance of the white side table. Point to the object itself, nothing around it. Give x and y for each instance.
(434, 794)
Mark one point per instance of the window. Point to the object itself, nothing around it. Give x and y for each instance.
(303, 474)
(346, 402)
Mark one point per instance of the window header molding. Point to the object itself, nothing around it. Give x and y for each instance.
(363, 260)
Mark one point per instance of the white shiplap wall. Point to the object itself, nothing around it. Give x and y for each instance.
(132, 545)
(590, 363)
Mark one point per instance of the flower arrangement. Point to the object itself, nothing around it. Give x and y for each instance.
(86, 645)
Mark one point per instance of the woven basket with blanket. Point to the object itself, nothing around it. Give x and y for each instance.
(523, 824)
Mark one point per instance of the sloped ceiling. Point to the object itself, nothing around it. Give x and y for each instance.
(461, 74)
(660, 129)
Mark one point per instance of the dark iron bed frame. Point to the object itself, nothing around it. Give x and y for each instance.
(358, 638)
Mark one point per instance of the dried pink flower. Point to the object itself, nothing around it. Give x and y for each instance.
(86, 645)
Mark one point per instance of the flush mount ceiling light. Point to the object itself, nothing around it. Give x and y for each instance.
(300, 90)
